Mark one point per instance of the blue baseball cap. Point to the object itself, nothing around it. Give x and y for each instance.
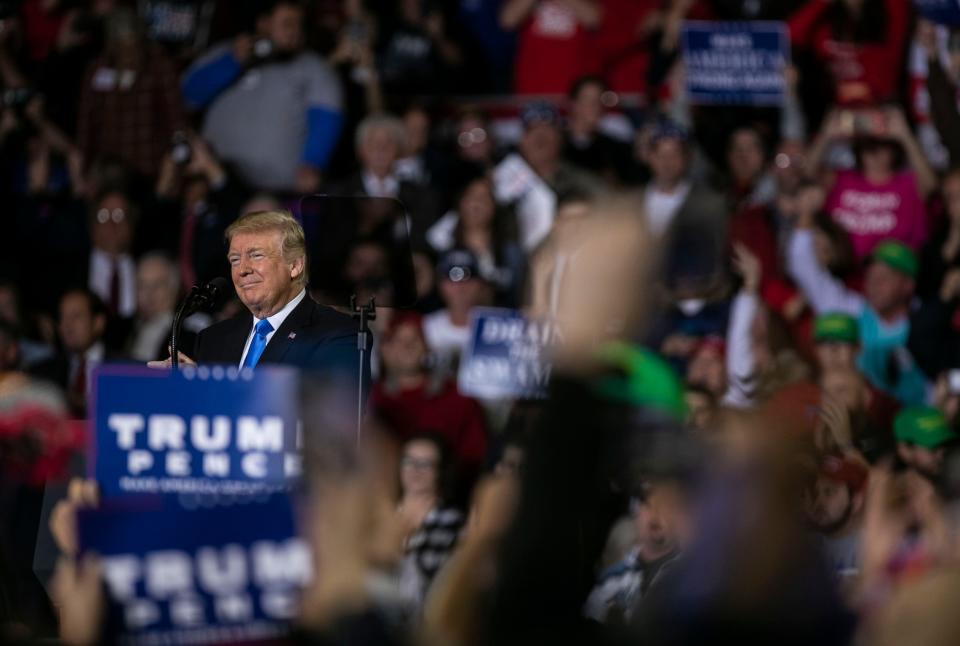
(458, 265)
(665, 128)
(539, 111)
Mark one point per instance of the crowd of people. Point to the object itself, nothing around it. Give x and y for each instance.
(753, 424)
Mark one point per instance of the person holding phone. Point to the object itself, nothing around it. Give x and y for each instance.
(883, 196)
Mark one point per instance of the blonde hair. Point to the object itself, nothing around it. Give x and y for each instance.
(293, 243)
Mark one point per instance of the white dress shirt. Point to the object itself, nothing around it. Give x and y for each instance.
(444, 339)
(275, 322)
(373, 186)
(101, 273)
(515, 181)
(661, 207)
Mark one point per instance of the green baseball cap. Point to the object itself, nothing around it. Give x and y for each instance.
(923, 426)
(897, 256)
(648, 380)
(836, 326)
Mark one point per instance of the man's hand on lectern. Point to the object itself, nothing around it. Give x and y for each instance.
(168, 362)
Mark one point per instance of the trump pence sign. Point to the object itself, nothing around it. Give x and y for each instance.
(224, 575)
(201, 430)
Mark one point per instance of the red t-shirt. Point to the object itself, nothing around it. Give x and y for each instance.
(554, 49)
(624, 56)
(863, 73)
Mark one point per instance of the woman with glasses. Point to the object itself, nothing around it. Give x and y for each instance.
(432, 525)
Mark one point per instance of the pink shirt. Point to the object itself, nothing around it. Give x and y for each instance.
(873, 212)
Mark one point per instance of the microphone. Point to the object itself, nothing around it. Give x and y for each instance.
(199, 298)
(209, 295)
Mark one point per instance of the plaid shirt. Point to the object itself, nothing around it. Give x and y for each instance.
(131, 118)
(427, 549)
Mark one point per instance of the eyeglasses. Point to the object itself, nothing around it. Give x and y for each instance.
(473, 136)
(419, 464)
(105, 215)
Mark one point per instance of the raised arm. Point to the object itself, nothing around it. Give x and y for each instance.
(832, 129)
(741, 364)
(324, 115)
(900, 130)
(213, 73)
(824, 292)
(942, 90)
(804, 19)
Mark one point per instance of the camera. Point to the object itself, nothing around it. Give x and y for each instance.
(864, 122)
(180, 150)
(262, 49)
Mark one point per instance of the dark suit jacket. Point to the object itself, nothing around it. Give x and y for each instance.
(56, 369)
(314, 338)
(695, 244)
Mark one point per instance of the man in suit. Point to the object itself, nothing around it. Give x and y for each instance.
(81, 326)
(268, 265)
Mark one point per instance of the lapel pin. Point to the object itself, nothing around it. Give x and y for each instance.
(293, 335)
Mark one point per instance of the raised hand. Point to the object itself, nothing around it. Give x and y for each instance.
(746, 263)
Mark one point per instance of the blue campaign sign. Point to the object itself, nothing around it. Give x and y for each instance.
(202, 430)
(735, 63)
(224, 575)
(507, 355)
(944, 12)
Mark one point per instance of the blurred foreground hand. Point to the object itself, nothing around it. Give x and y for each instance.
(81, 494)
(603, 292)
(77, 588)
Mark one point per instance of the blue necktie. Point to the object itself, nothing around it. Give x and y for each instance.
(258, 343)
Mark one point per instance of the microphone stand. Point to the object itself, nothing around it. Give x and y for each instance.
(199, 298)
(364, 314)
(187, 306)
